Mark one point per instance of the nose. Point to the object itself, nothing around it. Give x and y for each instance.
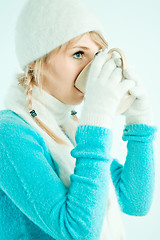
(91, 58)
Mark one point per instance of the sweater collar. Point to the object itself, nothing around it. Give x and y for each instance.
(54, 107)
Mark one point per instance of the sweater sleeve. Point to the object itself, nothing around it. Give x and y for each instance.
(34, 187)
(134, 182)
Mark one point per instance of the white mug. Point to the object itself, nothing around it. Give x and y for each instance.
(81, 81)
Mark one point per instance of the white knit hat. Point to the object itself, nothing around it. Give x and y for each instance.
(44, 25)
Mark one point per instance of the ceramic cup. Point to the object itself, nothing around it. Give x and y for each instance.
(81, 81)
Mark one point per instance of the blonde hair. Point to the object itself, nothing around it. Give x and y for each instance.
(31, 77)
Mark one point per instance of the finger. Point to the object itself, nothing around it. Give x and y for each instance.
(117, 58)
(138, 92)
(115, 55)
(107, 70)
(98, 63)
(118, 62)
(126, 85)
(116, 76)
(130, 73)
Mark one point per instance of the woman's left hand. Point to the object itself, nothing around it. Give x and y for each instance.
(140, 112)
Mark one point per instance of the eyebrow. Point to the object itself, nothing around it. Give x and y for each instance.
(85, 48)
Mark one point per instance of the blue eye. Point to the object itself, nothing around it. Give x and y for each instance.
(78, 53)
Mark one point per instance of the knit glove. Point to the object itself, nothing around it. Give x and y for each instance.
(140, 112)
(104, 91)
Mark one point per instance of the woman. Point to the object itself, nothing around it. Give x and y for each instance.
(56, 169)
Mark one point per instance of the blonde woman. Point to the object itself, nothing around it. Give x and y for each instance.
(58, 179)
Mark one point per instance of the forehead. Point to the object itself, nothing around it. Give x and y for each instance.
(84, 41)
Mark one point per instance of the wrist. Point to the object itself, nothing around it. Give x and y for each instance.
(140, 119)
(93, 119)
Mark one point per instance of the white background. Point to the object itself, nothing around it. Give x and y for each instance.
(132, 26)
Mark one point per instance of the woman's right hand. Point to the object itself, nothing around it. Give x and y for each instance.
(104, 91)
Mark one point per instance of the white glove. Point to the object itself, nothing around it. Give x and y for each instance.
(104, 91)
(140, 112)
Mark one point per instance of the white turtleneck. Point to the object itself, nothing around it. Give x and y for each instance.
(52, 105)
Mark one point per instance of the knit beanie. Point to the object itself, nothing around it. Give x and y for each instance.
(44, 25)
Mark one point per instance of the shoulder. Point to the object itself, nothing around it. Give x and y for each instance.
(18, 137)
(13, 127)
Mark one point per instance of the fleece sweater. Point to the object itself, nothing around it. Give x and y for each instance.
(35, 204)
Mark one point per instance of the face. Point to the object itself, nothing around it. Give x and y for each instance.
(62, 70)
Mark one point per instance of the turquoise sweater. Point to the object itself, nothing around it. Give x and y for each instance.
(35, 204)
